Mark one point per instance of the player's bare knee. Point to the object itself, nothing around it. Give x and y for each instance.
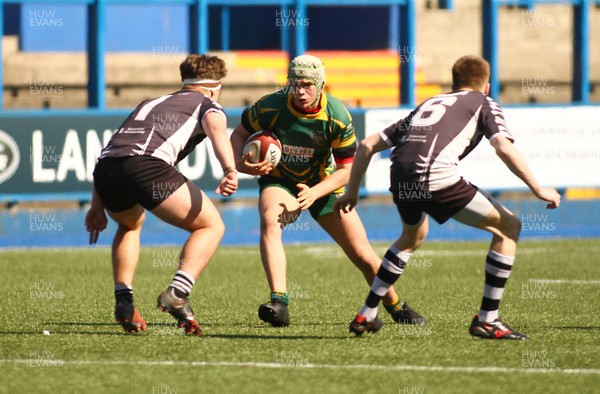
(269, 228)
(123, 228)
(218, 227)
(275, 223)
(214, 224)
(135, 224)
(417, 241)
(511, 226)
(515, 226)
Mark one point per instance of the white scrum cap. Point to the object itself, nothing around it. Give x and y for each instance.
(308, 67)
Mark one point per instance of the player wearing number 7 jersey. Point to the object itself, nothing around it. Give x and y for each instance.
(427, 147)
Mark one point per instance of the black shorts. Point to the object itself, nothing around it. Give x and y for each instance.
(441, 204)
(121, 183)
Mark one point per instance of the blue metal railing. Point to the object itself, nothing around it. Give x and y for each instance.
(401, 24)
(402, 27)
(580, 82)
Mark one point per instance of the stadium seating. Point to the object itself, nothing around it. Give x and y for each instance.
(358, 78)
(543, 78)
(369, 78)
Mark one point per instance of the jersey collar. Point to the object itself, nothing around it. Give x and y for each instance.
(316, 115)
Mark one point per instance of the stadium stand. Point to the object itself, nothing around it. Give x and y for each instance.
(367, 79)
(530, 70)
(544, 78)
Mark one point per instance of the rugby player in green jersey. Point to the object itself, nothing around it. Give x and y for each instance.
(318, 145)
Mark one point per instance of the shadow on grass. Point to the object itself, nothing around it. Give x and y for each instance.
(51, 323)
(266, 325)
(113, 326)
(81, 324)
(178, 333)
(63, 333)
(254, 336)
(267, 333)
(576, 328)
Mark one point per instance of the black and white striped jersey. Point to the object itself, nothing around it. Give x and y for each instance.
(167, 127)
(432, 139)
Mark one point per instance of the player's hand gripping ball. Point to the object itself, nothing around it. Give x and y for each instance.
(264, 146)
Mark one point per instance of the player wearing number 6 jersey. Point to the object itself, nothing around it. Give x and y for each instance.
(315, 130)
(427, 146)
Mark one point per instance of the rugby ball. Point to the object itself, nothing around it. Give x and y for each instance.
(264, 146)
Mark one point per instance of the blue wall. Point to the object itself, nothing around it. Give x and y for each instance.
(131, 29)
(148, 28)
(351, 28)
(53, 28)
(42, 228)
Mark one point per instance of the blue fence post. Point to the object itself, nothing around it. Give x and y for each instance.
(581, 52)
(225, 18)
(394, 28)
(301, 32)
(96, 44)
(490, 27)
(203, 29)
(1, 63)
(407, 43)
(285, 33)
(194, 23)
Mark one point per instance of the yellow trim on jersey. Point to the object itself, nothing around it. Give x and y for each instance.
(343, 144)
(255, 123)
(274, 120)
(340, 123)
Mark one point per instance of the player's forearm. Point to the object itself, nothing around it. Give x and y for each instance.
(238, 139)
(362, 158)
(96, 202)
(517, 164)
(215, 128)
(366, 149)
(338, 179)
(223, 150)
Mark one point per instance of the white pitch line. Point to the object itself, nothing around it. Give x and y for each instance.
(325, 251)
(417, 368)
(567, 281)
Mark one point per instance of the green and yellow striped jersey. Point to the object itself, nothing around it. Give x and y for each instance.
(310, 141)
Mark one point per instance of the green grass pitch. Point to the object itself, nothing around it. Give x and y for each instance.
(552, 296)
